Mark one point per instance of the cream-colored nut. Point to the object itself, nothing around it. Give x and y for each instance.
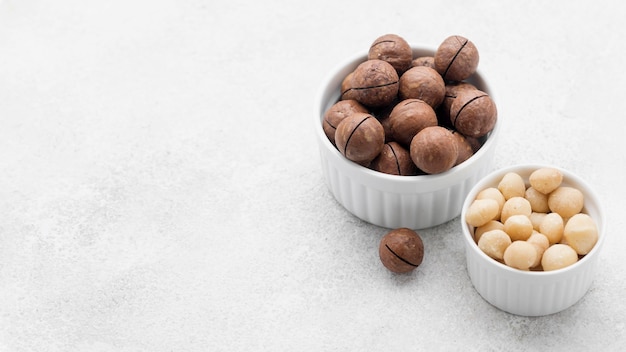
(536, 219)
(538, 201)
(494, 243)
(545, 180)
(581, 233)
(515, 206)
(552, 227)
(512, 185)
(567, 201)
(520, 255)
(558, 256)
(541, 243)
(492, 193)
(518, 227)
(491, 225)
(481, 211)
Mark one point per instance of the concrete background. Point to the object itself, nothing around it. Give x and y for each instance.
(161, 190)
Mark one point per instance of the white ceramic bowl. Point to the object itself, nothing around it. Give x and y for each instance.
(532, 293)
(392, 201)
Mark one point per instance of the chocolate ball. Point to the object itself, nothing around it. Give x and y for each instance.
(428, 61)
(401, 250)
(394, 160)
(434, 150)
(465, 149)
(336, 113)
(347, 93)
(393, 49)
(423, 83)
(473, 113)
(456, 58)
(360, 137)
(374, 83)
(409, 117)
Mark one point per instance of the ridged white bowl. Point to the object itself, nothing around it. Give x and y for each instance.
(532, 293)
(392, 201)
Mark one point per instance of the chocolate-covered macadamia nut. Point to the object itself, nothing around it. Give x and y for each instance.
(409, 117)
(393, 49)
(360, 137)
(401, 250)
(394, 160)
(336, 113)
(473, 113)
(464, 148)
(374, 83)
(428, 61)
(434, 150)
(456, 58)
(423, 83)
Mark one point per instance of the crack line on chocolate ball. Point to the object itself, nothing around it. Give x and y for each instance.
(345, 149)
(445, 73)
(395, 157)
(399, 257)
(330, 124)
(463, 107)
(382, 41)
(378, 86)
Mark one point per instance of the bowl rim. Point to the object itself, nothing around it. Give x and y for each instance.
(569, 178)
(331, 83)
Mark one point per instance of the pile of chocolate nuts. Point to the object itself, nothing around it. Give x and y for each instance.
(405, 115)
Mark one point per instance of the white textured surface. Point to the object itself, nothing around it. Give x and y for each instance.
(161, 190)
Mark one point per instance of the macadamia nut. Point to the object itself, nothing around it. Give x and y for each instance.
(434, 150)
(566, 201)
(545, 180)
(401, 250)
(481, 211)
(494, 243)
(581, 233)
(558, 256)
(520, 255)
(360, 137)
(512, 185)
(515, 206)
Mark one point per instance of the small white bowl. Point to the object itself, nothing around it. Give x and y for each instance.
(391, 201)
(532, 293)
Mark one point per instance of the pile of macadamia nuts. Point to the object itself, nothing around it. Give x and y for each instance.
(405, 115)
(540, 226)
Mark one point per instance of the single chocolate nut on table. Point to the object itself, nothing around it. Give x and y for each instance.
(401, 250)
